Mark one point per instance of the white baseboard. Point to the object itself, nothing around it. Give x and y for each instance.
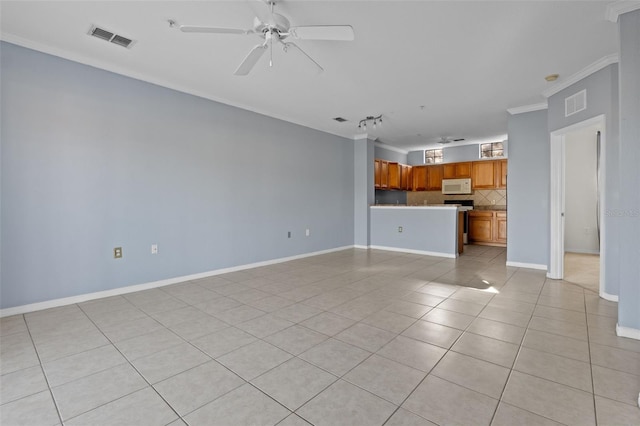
(54, 303)
(358, 246)
(527, 265)
(609, 297)
(631, 333)
(422, 252)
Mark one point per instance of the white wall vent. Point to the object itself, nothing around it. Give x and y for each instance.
(109, 36)
(575, 103)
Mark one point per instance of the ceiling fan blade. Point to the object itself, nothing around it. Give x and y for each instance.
(251, 59)
(262, 10)
(295, 47)
(323, 32)
(214, 30)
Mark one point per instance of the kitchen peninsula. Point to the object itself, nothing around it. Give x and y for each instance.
(429, 230)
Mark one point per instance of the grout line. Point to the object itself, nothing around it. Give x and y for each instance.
(35, 348)
(359, 266)
(593, 386)
(515, 359)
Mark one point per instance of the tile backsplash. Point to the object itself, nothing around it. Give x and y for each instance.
(480, 197)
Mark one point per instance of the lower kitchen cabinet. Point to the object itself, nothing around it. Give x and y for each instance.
(488, 227)
(501, 227)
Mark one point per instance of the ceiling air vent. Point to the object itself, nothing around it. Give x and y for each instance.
(575, 103)
(121, 41)
(103, 34)
(340, 119)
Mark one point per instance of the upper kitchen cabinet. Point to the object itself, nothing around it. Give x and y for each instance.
(420, 178)
(406, 182)
(489, 174)
(394, 175)
(483, 175)
(434, 177)
(501, 174)
(457, 170)
(381, 174)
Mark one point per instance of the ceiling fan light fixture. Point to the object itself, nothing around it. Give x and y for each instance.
(270, 25)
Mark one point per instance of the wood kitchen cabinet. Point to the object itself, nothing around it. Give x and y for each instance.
(483, 175)
(393, 175)
(457, 170)
(420, 175)
(384, 174)
(501, 174)
(406, 182)
(487, 227)
(501, 227)
(489, 174)
(434, 178)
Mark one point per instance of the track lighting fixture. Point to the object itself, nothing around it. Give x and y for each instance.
(377, 121)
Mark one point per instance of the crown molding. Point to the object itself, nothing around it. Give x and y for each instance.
(615, 9)
(528, 108)
(109, 67)
(390, 148)
(359, 136)
(585, 72)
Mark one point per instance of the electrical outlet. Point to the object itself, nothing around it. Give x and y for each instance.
(399, 228)
(117, 252)
(154, 249)
(307, 232)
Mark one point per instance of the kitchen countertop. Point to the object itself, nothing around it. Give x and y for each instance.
(419, 206)
(491, 208)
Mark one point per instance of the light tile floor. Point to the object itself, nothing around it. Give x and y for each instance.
(354, 337)
(582, 269)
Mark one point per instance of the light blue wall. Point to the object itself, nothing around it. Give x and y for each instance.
(390, 155)
(423, 229)
(415, 158)
(92, 160)
(455, 154)
(363, 173)
(629, 220)
(528, 189)
(391, 197)
(602, 98)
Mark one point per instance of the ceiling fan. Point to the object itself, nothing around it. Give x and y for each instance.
(445, 140)
(275, 28)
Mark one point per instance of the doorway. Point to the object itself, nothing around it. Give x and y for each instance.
(577, 200)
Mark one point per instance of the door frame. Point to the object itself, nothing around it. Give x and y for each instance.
(557, 202)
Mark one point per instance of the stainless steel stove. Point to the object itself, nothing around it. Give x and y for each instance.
(465, 206)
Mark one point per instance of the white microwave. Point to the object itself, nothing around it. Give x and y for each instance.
(456, 186)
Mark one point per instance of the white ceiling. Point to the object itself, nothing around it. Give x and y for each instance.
(464, 62)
